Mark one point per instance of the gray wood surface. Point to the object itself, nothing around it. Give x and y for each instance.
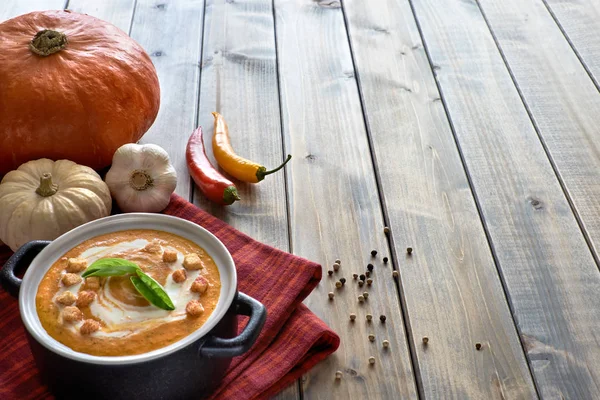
(579, 22)
(451, 286)
(475, 121)
(239, 80)
(334, 204)
(550, 276)
(13, 8)
(561, 98)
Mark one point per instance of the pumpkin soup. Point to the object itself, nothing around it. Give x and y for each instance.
(107, 316)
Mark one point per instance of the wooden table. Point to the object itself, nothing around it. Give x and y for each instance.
(470, 128)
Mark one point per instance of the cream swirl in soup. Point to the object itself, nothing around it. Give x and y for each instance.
(107, 316)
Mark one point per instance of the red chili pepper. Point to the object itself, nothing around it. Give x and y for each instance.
(214, 185)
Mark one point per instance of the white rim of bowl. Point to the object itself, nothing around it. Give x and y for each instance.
(81, 233)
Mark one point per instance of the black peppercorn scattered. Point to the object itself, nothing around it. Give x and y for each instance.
(370, 267)
(330, 272)
(368, 273)
(373, 253)
(409, 250)
(343, 280)
(363, 277)
(385, 260)
(478, 346)
(382, 318)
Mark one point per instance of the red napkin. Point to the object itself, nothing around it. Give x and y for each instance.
(293, 339)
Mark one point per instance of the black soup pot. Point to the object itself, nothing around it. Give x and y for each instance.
(188, 369)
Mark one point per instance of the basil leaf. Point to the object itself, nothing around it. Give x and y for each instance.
(110, 267)
(157, 289)
(154, 293)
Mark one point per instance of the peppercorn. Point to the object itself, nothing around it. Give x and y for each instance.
(409, 250)
(331, 295)
(367, 273)
(371, 337)
(338, 284)
(360, 283)
(371, 360)
(343, 281)
(338, 261)
(355, 276)
(352, 317)
(336, 267)
(362, 277)
(395, 274)
(361, 298)
(425, 340)
(330, 272)
(382, 318)
(386, 230)
(369, 317)
(373, 253)
(366, 295)
(385, 260)
(386, 344)
(338, 375)
(369, 281)
(370, 267)
(478, 346)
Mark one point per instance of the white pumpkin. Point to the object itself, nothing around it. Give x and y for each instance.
(43, 199)
(141, 178)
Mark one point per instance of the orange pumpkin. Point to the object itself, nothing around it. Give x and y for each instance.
(71, 87)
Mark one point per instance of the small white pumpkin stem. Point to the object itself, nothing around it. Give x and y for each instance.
(140, 180)
(46, 188)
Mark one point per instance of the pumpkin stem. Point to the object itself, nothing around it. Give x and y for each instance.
(47, 42)
(140, 180)
(46, 188)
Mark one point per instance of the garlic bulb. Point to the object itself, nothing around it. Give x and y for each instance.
(141, 178)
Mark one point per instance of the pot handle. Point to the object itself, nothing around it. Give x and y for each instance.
(22, 257)
(219, 347)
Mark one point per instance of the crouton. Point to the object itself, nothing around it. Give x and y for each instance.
(66, 298)
(71, 279)
(199, 285)
(194, 308)
(85, 297)
(76, 264)
(89, 326)
(92, 283)
(72, 314)
(179, 275)
(192, 262)
(169, 256)
(153, 247)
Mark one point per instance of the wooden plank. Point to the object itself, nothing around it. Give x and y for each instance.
(13, 8)
(239, 80)
(334, 205)
(176, 56)
(579, 22)
(451, 287)
(548, 270)
(117, 12)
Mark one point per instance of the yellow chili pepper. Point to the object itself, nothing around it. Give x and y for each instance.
(234, 165)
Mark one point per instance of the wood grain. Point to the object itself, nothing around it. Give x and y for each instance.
(239, 80)
(171, 33)
(579, 21)
(334, 205)
(12, 8)
(548, 270)
(117, 12)
(451, 286)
